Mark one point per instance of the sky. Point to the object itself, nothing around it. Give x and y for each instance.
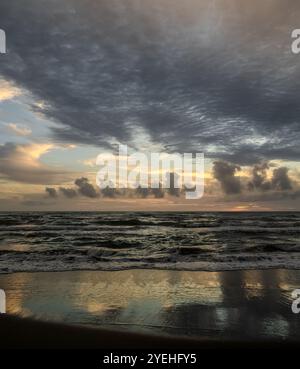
(213, 76)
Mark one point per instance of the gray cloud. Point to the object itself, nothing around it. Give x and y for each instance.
(21, 163)
(159, 192)
(51, 192)
(142, 192)
(211, 76)
(109, 192)
(281, 180)
(225, 174)
(68, 192)
(85, 188)
(259, 177)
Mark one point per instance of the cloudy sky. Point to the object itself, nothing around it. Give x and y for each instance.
(211, 76)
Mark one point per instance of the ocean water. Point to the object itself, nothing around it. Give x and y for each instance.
(117, 241)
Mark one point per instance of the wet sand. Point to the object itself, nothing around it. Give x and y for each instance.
(237, 306)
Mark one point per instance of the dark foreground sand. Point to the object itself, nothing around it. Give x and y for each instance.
(121, 309)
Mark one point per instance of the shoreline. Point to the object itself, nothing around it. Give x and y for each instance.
(46, 335)
(248, 305)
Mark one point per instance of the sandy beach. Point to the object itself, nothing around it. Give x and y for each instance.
(236, 306)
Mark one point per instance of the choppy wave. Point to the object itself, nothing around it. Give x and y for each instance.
(116, 241)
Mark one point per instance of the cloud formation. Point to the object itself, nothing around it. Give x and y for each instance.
(215, 77)
(85, 188)
(281, 180)
(51, 192)
(7, 90)
(259, 177)
(225, 173)
(22, 163)
(18, 129)
(68, 192)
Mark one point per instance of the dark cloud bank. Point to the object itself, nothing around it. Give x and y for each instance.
(68, 192)
(83, 188)
(227, 175)
(216, 77)
(86, 189)
(279, 186)
(51, 192)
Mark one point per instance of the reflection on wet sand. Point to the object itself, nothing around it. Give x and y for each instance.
(225, 305)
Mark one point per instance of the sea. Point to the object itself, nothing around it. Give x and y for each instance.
(196, 241)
